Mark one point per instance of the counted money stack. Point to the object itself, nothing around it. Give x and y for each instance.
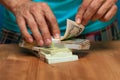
(61, 49)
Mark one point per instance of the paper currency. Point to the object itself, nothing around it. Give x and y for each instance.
(77, 44)
(61, 49)
(55, 54)
(72, 29)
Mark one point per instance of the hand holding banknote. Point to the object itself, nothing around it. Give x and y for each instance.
(102, 10)
(72, 30)
(61, 50)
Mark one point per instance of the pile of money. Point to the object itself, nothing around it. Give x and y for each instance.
(61, 49)
(72, 30)
(55, 54)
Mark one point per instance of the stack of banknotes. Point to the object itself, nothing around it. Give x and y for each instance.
(61, 49)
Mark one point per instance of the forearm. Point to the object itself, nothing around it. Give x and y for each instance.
(11, 4)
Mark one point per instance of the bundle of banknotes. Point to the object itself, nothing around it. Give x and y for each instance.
(61, 49)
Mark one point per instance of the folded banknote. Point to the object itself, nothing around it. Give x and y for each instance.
(61, 49)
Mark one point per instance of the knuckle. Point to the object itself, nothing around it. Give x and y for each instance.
(44, 4)
(83, 23)
(25, 13)
(92, 8)
(38, 38)
(83, 18)
(23, 31)
(79, 15)
(45, 38)
(19, 19)
(33, 9)
(41, 23)
(26, 36)
(53, 20)
(33, 26)
(45, 33)
(84, 6)
(99, 14)
(100, 1)
(86, 17)
(56, 31)
(45, 30)
(115, 8)
(105, 19)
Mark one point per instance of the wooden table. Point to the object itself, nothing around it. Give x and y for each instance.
(102, 62)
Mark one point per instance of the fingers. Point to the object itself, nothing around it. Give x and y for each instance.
(43, 27)
(91, 10)
(82, 10)
(40, 19)
(53, 25)
(45, 31)
(94, 10)
(37, 16)
(109, 14)
(103, 9)
(23, 29)
(33, 27)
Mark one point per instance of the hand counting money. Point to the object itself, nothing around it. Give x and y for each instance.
(72, 30)
(61, 49)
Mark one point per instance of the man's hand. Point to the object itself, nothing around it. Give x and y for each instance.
(39, 18)
(93, 10)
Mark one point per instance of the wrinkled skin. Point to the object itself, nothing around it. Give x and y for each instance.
(93, 10)
(42, 22)
(39, 18)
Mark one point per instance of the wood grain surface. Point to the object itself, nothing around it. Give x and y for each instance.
(102, 62)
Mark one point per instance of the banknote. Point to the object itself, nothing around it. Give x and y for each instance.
(61, 49)
(55, 55)
(72, 30)
(77, 44)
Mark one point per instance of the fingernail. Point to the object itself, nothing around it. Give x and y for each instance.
(41, 43)
(48, 41)
(78, 20)
(30, 40)
(57, 36)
